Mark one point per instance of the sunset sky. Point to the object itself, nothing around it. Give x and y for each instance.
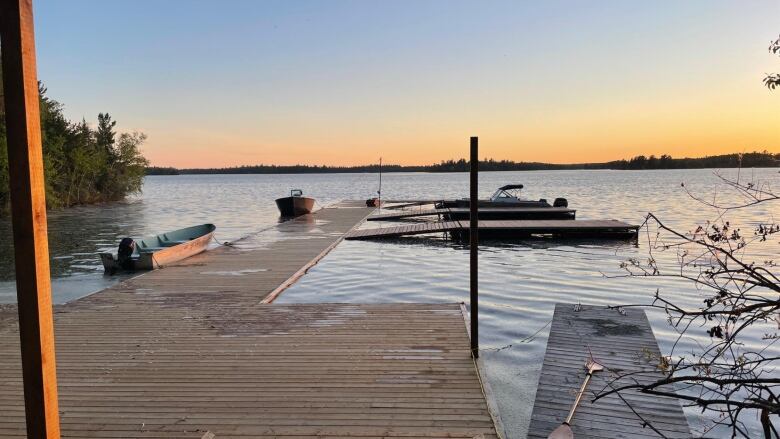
(344, 82)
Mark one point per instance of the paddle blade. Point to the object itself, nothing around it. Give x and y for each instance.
(562, 432)
(593, 366)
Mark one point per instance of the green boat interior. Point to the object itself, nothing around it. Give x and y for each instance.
(151, 244)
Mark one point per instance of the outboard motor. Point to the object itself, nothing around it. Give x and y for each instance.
(560, 202)
(125, 253)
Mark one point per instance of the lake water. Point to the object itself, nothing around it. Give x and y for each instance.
(519, 281)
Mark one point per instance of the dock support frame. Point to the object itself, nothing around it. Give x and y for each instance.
(28, 211)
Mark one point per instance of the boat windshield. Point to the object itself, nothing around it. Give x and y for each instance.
(506, 195)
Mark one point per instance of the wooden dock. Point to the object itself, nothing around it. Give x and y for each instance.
(623, 344)
(461, 213)
(512, 228)
(190, 351)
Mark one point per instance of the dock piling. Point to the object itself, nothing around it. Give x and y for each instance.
(474, 246)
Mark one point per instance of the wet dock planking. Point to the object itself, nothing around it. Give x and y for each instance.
(190, 351)
(508, 228)
(624, 344)
(175, 368)
(484, 213)
(258, 264)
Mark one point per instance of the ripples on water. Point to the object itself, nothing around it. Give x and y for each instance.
(519, 282)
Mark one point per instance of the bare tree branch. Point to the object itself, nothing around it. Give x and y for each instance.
(734, 383)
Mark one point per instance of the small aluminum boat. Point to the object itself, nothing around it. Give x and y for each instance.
(156, 251)
(295, 205)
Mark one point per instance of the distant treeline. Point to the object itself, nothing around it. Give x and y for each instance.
(763, 159)
(288, 169)
(81, 164)
(756, 159)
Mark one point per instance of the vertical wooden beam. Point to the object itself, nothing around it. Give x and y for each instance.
(474, 245)
(28, 209)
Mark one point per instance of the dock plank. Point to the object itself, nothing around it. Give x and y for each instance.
(622, 344)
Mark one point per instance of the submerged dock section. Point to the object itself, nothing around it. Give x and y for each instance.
(259, 265)
(508, 228)
(623, 343)
(190, 351)
(462, 213)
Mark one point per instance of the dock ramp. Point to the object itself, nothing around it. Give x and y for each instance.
(624, 344)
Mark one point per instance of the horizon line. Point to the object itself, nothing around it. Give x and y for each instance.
(648, 157)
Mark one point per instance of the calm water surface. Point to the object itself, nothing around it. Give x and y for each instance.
(519, 281)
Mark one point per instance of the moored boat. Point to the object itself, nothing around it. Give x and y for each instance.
(505, 196)
(295, 205)
(156, 251)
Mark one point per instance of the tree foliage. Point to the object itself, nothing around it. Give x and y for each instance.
(772, 80)
(82, 165)
(751, 159)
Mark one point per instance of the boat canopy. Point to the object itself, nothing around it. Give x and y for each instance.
(510, 187)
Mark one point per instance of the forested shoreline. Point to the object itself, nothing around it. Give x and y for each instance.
(755, 159)
(82, 165)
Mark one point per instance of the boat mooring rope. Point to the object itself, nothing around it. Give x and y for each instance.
(226, 243)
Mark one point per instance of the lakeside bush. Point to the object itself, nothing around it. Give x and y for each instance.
(82, 165)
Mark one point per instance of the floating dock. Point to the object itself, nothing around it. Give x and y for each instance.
(507, 228)
(191, 351)
(401, 204)
(623, 344)
(487, 213)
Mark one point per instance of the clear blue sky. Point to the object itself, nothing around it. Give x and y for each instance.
(342, 82)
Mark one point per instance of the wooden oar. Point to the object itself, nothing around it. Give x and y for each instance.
(564, 431)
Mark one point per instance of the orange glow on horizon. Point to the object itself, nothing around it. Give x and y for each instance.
(683, 126)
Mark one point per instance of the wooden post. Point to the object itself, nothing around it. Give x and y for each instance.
(28, 209)
(474, 245)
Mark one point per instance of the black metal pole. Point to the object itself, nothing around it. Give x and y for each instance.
(379, 192)
(473, 246)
